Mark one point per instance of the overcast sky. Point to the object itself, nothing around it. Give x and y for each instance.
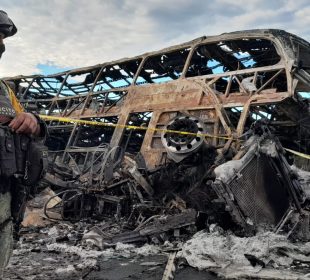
(59, 34)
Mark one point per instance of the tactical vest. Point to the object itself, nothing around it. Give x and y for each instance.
(20, 154)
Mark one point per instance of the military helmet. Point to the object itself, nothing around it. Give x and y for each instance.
(7, 27)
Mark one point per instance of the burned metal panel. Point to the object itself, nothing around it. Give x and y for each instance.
(260, 193)
(132, 140)
(257, 187)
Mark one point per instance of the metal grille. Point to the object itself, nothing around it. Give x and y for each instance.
(259, 192)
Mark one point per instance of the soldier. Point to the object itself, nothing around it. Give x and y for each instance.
(19, 122)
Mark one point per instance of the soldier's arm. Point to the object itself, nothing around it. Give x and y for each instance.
(24, 122)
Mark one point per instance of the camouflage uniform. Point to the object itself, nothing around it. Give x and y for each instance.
(8, 103)
(6, 230)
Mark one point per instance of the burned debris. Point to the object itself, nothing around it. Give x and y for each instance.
(182, 139)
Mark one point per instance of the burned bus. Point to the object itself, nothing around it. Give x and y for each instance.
(241, 98)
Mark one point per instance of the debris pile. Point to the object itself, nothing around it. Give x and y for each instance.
(243, 195)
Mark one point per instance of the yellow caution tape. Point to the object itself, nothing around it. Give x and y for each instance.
(298, 153)
(95, 123)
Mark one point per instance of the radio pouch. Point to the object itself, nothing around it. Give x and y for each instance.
(36, 162)
(7, 153)
(21, 142)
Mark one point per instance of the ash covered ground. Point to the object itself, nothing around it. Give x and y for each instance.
(66, 250)
(60, 252)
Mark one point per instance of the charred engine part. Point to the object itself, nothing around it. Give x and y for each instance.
(132, 168)
(180, 146)
(260, 188)
(184, 179)
(108, 185)
(74, 205)
(77, 204)
(87, 167)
